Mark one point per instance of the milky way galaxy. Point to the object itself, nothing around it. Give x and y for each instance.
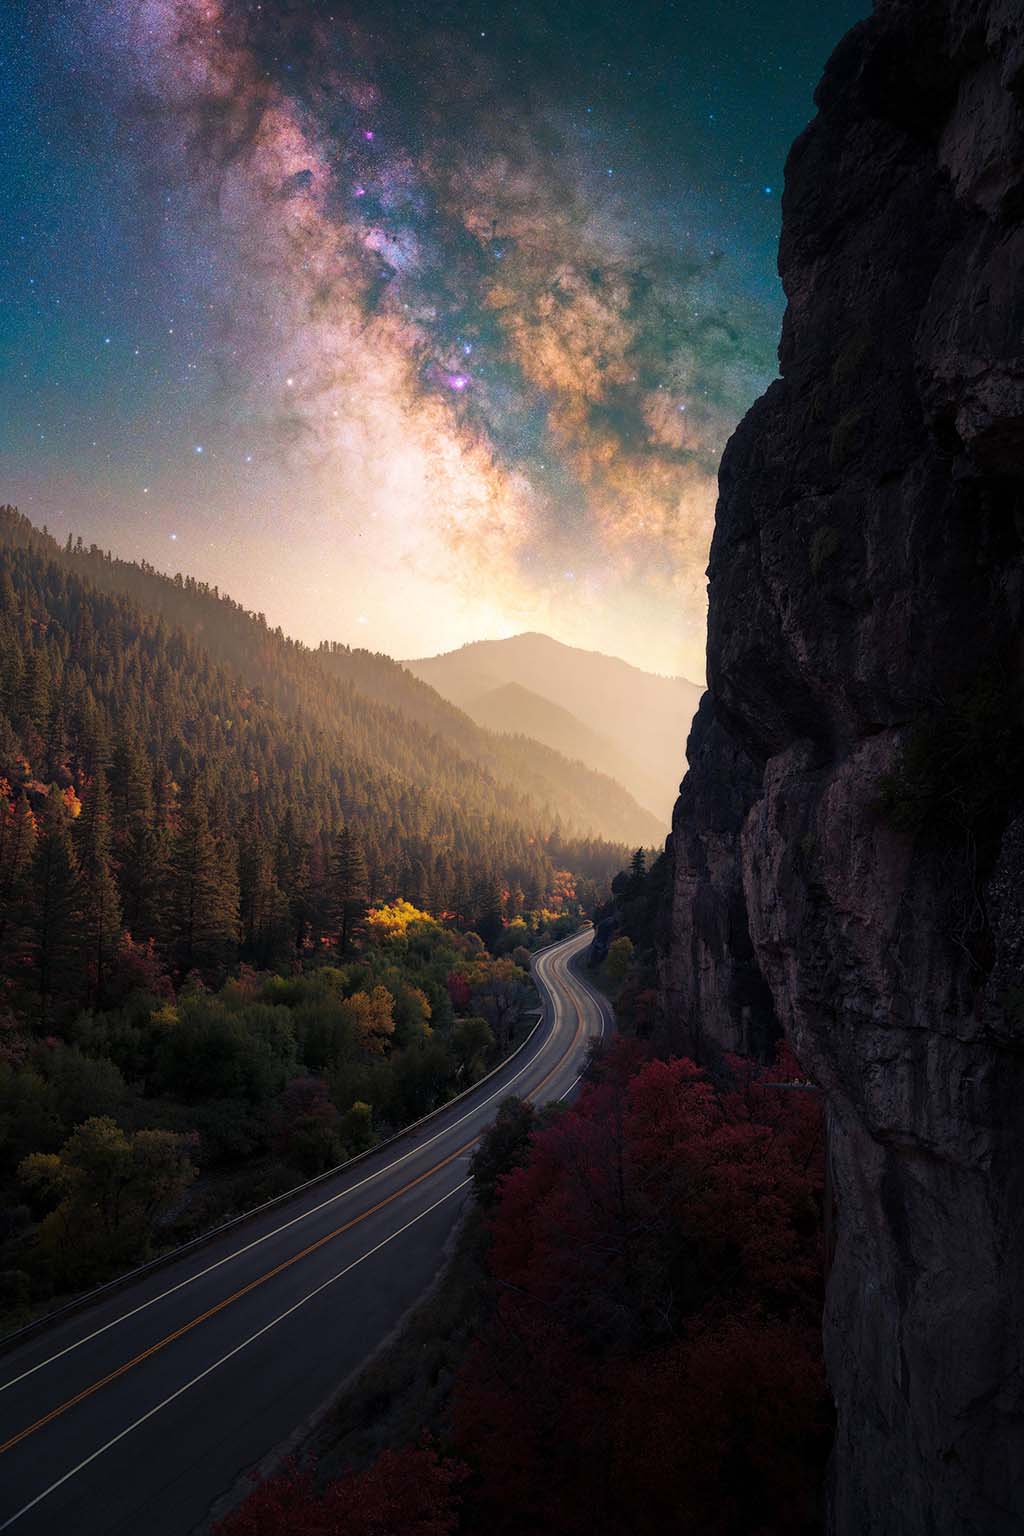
(408, 324)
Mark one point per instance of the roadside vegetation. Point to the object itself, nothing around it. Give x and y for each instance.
(259, 906)
(645, 1275)
(145, 1124)
(627, 1339)
(623, 961)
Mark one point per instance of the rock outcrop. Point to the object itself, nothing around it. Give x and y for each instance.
(849, 840)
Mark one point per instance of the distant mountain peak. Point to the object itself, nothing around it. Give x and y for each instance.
(613, 716)
(535, 639)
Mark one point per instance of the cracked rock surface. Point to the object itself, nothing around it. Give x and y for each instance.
(848, 844)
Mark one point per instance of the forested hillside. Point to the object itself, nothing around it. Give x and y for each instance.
(412, 731)
(197, 803)
(202, 783)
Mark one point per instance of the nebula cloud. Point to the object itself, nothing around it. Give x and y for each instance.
(434, 308)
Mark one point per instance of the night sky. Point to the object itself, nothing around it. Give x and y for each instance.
(406, 323)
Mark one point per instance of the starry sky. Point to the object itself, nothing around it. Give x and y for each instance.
(407, 322)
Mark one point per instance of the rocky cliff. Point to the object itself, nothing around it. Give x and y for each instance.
(849, 840)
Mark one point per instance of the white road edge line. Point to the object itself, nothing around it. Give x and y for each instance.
(600, 1009)
(237, 1253)
(224, 1358)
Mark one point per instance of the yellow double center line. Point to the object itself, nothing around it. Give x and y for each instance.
(244, 1290)
(278, 1269)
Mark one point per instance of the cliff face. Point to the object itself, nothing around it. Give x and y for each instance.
(849, 841)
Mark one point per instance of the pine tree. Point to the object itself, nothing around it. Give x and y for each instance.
(348, 886)
(34, 702)
(203, 892)
(101, 926)
(17, 845)
(487, 918)
(637, 872)
(295, 877)
(141, 845)
(34, 705)
(54, 911)
(12, 665)
(264, 908)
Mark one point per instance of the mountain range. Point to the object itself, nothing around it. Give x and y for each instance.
(613, 717)
(365, 709)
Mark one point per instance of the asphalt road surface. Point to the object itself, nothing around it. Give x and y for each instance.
(143, 1412)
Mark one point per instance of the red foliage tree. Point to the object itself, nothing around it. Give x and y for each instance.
(655, 1360)
(459, 990)
(412, 1492)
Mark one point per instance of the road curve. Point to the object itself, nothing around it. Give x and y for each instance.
(142, 1412)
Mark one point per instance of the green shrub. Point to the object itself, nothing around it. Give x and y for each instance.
(620, 958)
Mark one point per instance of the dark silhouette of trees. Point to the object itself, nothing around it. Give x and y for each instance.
(52, 925)
(17, 845)
(487, 917)
(349, 886)
(203, 892)
(101, 902)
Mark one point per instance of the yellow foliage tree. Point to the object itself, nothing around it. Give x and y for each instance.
(394, 921)
(372, 1018)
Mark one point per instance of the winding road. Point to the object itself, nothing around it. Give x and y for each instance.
(143, 1412)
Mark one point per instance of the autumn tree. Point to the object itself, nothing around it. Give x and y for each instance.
(103, 1192)
(372, 1018)
(500, 994)
(504, 1146)
(410, 1492)
(658, 1266)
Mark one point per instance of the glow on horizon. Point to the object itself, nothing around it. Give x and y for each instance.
(432, 394)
